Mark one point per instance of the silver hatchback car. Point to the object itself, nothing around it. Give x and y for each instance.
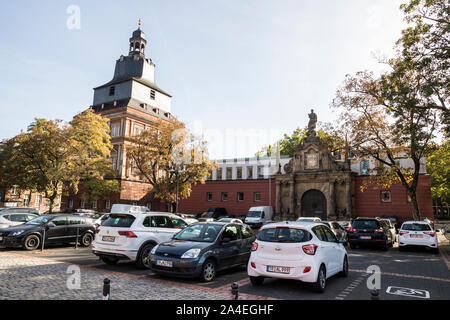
(11, 219)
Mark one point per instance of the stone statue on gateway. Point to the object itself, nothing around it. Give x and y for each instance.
(312, 124)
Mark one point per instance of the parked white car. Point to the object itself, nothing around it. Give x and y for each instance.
(391, 229)
(417, 233)
(309, 219)
(306, 251)
(130, 234)
(11, 219)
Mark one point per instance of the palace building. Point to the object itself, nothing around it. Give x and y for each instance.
(314, 182)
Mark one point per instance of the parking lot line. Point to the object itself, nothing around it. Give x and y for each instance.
(405, 275)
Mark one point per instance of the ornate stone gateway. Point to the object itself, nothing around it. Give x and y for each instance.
(315, 184)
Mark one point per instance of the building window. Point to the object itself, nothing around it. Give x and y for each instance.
(385, 196)
(15, 191)
(224, 196)
(219, 174)
(115, 129)
(37, 202)
(94, 204)
(135, 203)
(26, 200)
(112, 90)
(137, 131)
(209, 196)
(249, 172)
(229, 173)
(107, 204)
(260, 172)
(149, 205)
(152, 94)
(240, 196)
(257, 196)
(71, 203)
(114, 163)
(82, 204)
(239, 172)
(364, 167)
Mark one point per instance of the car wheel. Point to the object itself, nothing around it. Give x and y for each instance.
(143, 258)
(109, 260)
(344, 272)
(208, 271)
(32, 242)
(321, 282)
(257, 281)
(86, 240)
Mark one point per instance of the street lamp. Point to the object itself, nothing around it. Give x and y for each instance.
(176, 170)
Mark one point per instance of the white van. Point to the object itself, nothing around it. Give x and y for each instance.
(257, 216)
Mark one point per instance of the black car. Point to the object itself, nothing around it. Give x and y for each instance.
(213, 213)
(370, 231)
(203, 249)
(58, 229)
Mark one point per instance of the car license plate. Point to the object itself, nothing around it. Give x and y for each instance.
(416, 236)
(366, 237)
(278, 269)
(108, 238)
(164, 263)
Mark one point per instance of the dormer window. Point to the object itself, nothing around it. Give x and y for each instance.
(112, 90)
(152, 94)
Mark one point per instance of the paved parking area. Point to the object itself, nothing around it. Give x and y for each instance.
(43, 275)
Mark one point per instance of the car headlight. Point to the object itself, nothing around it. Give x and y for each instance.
(191, 254)
(154, 249)
(17, 233)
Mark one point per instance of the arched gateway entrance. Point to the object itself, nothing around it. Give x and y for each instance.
(314, 204)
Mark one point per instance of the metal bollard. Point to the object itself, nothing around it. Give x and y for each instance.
(106, 289)
(234, 291)
(76, 243)
(375, 294)
(43, 240)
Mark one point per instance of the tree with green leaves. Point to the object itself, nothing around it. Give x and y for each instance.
(423, 54)
(438, 166)
(169, 158)
(52, 154)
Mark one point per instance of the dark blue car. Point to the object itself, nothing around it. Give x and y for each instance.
(203, 249)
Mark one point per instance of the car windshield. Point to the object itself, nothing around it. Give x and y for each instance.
(416, 227)
(284, 234)
(365, 224)
(40, 220)
(119, 221)
(199, 233)
(254, 214)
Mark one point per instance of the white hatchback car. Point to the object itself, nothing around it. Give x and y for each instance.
(306, 251)
(131, 235)
(417, 233)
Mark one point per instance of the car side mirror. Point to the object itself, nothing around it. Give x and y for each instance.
(50, 225)
(438, 230)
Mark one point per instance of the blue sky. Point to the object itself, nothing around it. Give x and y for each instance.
(236, 68)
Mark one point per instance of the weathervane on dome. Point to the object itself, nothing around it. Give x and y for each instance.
(139, 24)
